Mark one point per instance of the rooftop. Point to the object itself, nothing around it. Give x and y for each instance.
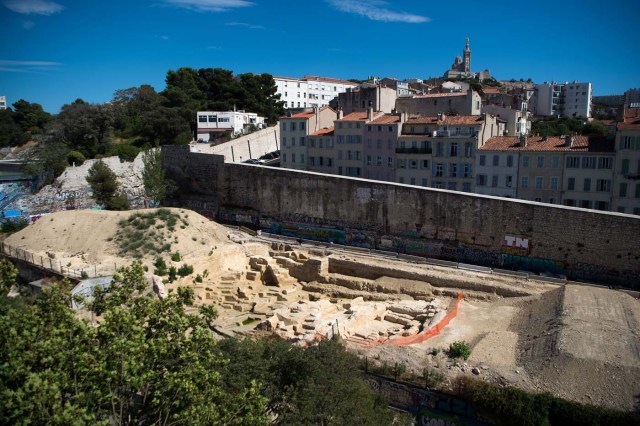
(441, 95)
(327, 131)
(448, 120)
(386, 119)
(551, 143)
(360, 116)
(306, 114)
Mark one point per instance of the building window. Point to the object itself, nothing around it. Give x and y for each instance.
(524, 183)
(540, 162)
(496, 160)
(539, 182)
(368, 160)
(452, 186)
(466, 187)
(379, 161)
(603, 185)
(508, 181)
(555, 162)
(553, 183)
(389, 162)
(439, 169)
(573, 162)
(605, 162)
(202, 118)
(302, 141)
(509, 160)
(293, 158)
(494, 181)
(413, 181)
(587, 185)
(312, 161)
(623, 189)
(453, 150)
(625, 166)
(468, 147)
(589, 162)
(284, 157)
(571, 184)
(626, 142)
(482, 180)
(637, 190)
(482, 160)
(525, 161)
(293, 126)
(467, 170)
(401, 179)
(424, 181)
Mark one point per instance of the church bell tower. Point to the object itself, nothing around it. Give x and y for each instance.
(466, 55)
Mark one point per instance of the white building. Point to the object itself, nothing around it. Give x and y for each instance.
(566, 100)
(235, 123)
(310, 91)
(3, 102)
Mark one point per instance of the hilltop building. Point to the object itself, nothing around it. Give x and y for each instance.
(461, 68)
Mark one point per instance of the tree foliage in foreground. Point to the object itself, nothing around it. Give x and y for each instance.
(149, 362)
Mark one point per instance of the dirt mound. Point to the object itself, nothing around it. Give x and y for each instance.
(582, 343)
(87, 237)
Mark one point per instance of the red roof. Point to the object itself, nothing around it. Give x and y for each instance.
(307, 114)
(386, 119)
(452, 120)
(551, 143)
(491, 90)
(328, 131)
(631, 119)
(360, 116)
(441, 95)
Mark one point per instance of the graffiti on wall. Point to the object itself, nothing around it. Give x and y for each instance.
(237, 216)
(533, 264)
(513, 244)
(426, 404)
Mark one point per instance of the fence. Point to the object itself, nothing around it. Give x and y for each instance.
(51, 264)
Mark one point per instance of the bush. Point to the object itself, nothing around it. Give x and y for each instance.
(125, 151)
(76, 157)
(185, 270)
(460, 350)
(9, 226)
(176, 257)
(161, 267)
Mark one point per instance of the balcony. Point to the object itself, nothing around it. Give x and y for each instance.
(414, 150)
(632, 176)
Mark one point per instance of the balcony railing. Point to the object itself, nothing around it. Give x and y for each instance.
(414, 150)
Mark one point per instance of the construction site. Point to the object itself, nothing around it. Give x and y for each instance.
(576, 341)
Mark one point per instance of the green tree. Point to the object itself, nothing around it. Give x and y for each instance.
(156, 185)
(104, 184)
(11, 134)
(48, 159)
(146, 362)
(84, 127)
(30, 116)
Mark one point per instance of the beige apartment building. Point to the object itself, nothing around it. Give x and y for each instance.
(295, 129)
(626, 191)
(348, 132)
(321, 152)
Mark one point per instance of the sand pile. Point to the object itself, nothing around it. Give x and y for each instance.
(84, 238)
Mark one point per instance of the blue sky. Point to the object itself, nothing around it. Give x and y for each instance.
(54, 51)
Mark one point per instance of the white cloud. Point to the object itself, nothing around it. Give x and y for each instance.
(27, 25)
(246, 25)
(35, 7)
(27, 66)
(210, 5)
(376, 11)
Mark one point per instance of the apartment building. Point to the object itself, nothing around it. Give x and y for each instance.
(349, 132)
(440, 151)
(626, 191)
(570, 170)
(563, 100)
(368, 95)
(3, 102)
(310, 91)
(295, 129)
(380, 137)
(321, 152)
(460, 103)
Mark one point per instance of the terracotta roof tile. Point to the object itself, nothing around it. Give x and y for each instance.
(552, 143)
(386, 119)
(324, 132)
(441, 95)
(449, 120)
(306, 114)
(360, 116)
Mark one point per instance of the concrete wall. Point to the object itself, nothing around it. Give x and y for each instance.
(484, 230)
(243, 148)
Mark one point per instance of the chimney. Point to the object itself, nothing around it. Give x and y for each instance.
(340, 114)
(523, 140)
(370, 114)
(569, 141)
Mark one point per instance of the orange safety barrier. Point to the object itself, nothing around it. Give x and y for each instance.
(427, 334)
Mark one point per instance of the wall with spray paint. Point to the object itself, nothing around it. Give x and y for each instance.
(470, 228)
